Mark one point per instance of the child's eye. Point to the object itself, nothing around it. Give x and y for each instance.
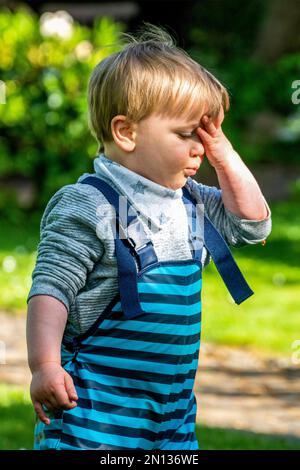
(186, 135)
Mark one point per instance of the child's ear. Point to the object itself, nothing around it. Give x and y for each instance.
(124, 133)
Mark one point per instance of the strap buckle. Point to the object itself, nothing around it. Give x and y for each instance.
(136, 235)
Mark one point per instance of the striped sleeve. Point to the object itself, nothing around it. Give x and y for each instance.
(236, 230)
(69, 246)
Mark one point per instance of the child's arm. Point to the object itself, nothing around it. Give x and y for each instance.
(69, 246)
(241, 194)
(67, 253)
(51, 385)
(238, 210)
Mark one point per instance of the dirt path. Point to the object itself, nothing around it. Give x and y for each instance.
(238, 389)
(235, 388)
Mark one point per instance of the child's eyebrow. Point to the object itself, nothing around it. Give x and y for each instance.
(193, 126)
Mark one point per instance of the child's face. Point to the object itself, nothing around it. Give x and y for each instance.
(167, 150)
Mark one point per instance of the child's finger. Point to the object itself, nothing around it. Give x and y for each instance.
(209, 126)
(62, 397)
(204, 135)
(40, 412)
(71, 391)
(50, 402)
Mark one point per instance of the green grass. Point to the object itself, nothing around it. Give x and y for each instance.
(268, 321)
(17, 259)
(230, 439)
(17, 423)
(16, 417)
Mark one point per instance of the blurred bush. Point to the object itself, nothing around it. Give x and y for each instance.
(45, 141)
(295, 190)
(45, 64)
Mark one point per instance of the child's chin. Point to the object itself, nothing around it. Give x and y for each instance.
(178, 184)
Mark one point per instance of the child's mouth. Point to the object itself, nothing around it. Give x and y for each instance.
(191, 171)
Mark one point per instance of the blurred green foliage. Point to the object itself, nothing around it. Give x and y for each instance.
(264, 118)
(43, 124)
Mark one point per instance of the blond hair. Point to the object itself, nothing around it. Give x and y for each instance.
(150, 74)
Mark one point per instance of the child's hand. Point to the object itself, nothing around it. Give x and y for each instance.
(53, 387)
(217, 147)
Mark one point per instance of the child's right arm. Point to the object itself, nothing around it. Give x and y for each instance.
(51, 385)
(68, 250)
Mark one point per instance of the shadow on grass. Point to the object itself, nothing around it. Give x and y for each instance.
(17, 423)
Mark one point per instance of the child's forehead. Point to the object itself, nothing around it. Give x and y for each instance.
(186, 120)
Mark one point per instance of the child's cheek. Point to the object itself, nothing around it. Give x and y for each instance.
(179, 152)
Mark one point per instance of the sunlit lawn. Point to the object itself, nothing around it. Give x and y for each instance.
(17, 258)
(17, 423)
(269, 320)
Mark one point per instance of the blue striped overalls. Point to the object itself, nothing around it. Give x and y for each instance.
(134, 369)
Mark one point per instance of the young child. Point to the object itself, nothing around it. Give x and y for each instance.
(114, 311)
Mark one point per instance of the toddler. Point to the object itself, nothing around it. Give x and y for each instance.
(114, 311)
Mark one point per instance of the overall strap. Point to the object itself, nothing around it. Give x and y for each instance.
(195, 231)
(223, 259)
(125, 246)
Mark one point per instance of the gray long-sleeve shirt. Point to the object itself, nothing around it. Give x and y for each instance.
(76, 260)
